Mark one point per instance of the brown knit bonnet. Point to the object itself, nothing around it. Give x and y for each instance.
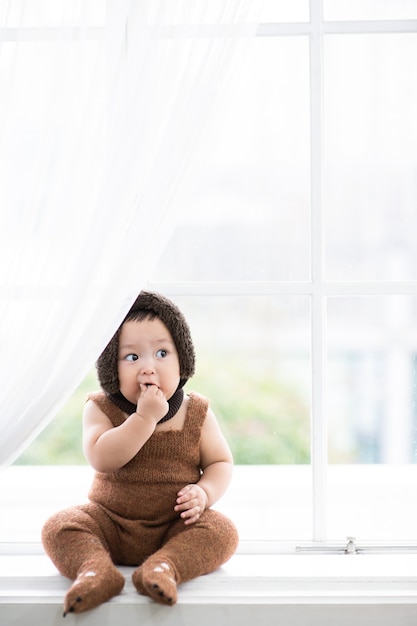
(161, 307)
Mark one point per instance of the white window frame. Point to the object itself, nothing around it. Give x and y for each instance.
(318, 289)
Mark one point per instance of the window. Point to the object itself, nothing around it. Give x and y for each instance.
(294, 261)
(298, 244)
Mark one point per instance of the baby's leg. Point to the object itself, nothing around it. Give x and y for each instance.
(188, 552)
(77, 546)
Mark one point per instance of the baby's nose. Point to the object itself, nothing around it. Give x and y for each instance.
(147, 366)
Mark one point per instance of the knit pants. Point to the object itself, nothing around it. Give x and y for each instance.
(86, 542)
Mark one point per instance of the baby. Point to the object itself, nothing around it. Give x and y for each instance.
(161, 462)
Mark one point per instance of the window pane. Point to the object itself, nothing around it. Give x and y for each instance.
(371, 387)
(372, 344)
(370, 190)
(253, 362)
(370, 9)
(245, 197)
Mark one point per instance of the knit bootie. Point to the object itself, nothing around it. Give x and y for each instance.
(157, 579)
(95, 583)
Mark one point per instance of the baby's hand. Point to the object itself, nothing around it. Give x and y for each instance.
(191, 501)
(152, 403)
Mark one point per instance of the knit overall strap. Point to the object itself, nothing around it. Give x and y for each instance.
(115, 415)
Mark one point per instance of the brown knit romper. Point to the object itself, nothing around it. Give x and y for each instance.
(130, 519)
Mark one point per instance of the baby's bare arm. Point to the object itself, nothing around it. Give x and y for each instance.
(107, 447)
(217, 466)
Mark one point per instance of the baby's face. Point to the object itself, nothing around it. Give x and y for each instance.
(147, 355)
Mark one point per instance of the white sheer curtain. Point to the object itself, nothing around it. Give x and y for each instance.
(100, 106)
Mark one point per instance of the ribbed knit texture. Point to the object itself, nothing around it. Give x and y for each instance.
(169, 460)
(174, 403)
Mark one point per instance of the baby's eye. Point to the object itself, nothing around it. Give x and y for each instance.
(161, 354)
(131, 357)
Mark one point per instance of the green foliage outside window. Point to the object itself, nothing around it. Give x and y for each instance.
(265, 422)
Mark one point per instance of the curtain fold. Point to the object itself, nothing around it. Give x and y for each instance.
(101, 103)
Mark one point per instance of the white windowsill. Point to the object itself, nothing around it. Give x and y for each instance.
(295, 588)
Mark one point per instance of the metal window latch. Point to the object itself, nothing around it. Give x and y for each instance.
(351, 546)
